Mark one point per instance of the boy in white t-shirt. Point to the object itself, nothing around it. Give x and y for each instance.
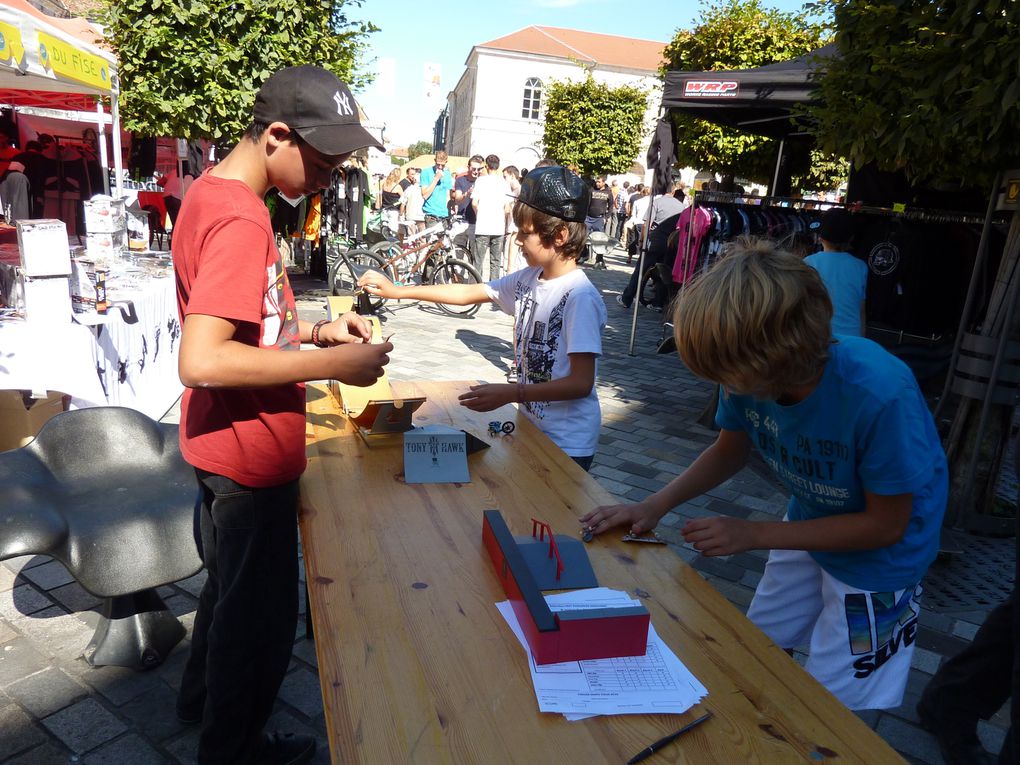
(490, 199)
(558, 315)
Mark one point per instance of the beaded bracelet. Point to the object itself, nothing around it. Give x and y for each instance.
(315, 333)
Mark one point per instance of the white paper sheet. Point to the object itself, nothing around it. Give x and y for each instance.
(655, 683)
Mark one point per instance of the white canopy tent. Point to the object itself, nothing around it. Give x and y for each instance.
(58, 64)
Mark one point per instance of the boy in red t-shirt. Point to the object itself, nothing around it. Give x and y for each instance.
(243, 413)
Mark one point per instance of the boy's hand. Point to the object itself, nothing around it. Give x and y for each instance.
(360, 364)
(375, 283)
(349, 328)
(485, 398)
(720, 536)
(640, 516)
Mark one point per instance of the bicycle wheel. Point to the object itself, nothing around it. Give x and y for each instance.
(453, 271)
(343, 276)
(389, 251)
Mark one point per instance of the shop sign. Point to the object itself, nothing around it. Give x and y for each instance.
(1009, 193)
(12, 49)
(710, 89)
(67, 61)
(1012, 191)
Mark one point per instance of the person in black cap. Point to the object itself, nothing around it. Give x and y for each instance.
(558, 315)
(845, 277)
(243, 410)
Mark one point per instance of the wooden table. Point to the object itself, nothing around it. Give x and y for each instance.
(417, 665)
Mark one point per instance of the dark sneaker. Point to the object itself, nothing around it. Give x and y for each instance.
(286, 749)
(189, 716)
(956, 735)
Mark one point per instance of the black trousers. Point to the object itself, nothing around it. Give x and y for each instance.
(247, 614)
(977, 681)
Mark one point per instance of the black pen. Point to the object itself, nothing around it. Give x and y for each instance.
(666, 740)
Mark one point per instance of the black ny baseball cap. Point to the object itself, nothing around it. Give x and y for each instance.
(315, 104)
(556, 191)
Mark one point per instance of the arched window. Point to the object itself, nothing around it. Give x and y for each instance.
(532, 98)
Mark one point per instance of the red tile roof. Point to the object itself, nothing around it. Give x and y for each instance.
(608, 50)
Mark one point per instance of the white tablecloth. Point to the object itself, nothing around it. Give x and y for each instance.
(109, 364)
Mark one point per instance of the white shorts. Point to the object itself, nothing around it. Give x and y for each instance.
(860, 643)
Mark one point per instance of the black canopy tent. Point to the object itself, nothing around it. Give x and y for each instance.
(761, 101)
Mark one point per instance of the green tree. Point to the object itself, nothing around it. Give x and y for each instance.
(933, 89)
(191, 68)
(595, 126)
(735, 34)
(418, 148)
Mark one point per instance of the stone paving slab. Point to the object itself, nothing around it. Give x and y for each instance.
(55, 708)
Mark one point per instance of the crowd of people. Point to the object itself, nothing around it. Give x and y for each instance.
(841, 422)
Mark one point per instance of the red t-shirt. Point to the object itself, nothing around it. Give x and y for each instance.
(227, 265)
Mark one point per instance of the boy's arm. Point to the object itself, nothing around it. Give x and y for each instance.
(882, 523)
(211, 358)
(720, 461)
(348, 328)
(375, 283)
(577, 384)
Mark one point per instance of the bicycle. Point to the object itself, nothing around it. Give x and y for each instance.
(443, 262)
(347, 266)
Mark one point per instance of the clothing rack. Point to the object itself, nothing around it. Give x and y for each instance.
(921, 215)
(789, 203)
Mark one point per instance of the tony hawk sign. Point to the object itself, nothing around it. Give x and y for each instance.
(710, 89)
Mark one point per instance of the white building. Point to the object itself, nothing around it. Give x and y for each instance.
(497, 106)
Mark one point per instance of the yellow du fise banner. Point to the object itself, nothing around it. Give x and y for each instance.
(67, 61)
(11, 47)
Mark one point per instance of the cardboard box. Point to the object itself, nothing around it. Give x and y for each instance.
(48, 300)
(107, 246)
(83, 285)
(137, 229)
(21, 417)
(44, 248)
(104, 214)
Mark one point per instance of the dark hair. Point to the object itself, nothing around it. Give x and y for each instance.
(476, 158)
(513, 171)
(492, 162)
(678, 193)
(33, 146)
(546, 226)
(256, 129)
(45, 139)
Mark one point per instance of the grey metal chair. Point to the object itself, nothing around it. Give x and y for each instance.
(106, 492)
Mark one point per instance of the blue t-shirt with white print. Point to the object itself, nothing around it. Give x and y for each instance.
(865, 427)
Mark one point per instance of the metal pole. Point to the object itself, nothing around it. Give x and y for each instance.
(104, 161)
(641, 270)
(775, 175)
(118, 163)
(968, 305)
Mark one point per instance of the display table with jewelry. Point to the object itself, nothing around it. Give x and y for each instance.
(105, 332)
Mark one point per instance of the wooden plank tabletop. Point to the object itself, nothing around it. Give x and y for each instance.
(417, 665)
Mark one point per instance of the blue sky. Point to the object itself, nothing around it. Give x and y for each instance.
(413, 34)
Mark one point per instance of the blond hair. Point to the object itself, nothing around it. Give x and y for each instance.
(757, 322)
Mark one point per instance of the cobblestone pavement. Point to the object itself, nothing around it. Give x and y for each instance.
(54, 708)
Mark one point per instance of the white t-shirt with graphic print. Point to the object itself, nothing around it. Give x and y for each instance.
(553, 319)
